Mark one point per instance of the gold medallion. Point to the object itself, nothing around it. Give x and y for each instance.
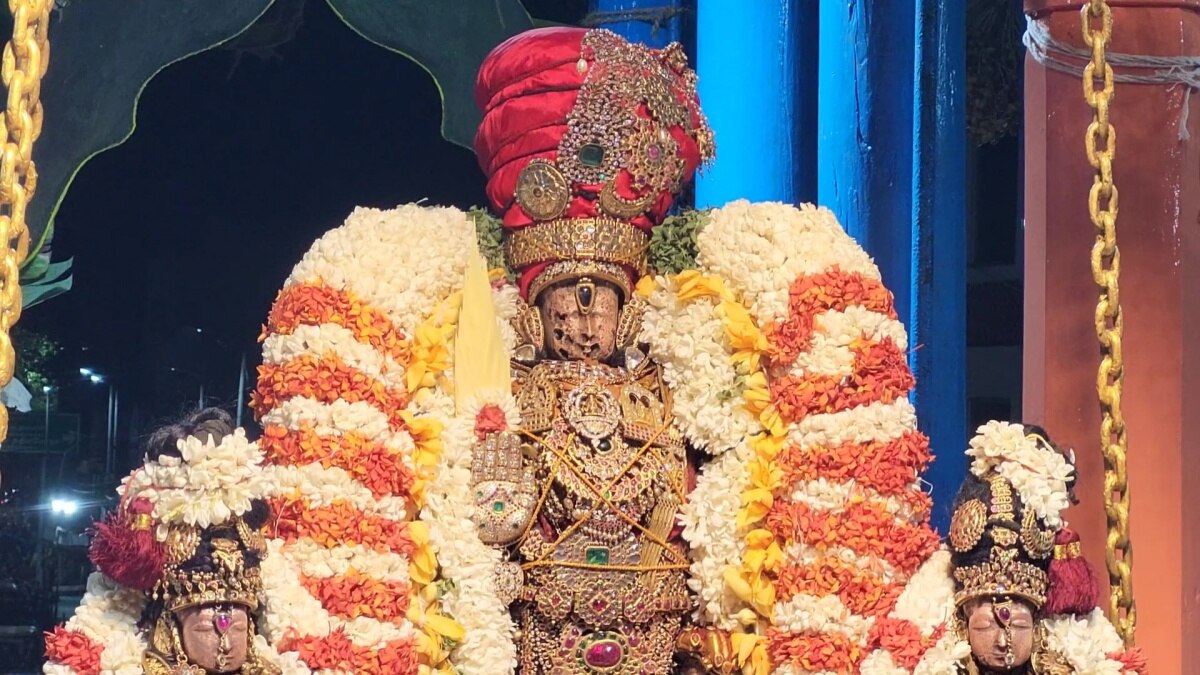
(1038, 543)
(967, 526)
(542, 190)
(615, 205)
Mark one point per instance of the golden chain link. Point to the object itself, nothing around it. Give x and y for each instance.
(25, 59)
(1101, 144)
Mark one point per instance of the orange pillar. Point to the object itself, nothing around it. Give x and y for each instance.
(1158, 176)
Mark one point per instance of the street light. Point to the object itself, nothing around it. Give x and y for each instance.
(66, 507)
(112, 409)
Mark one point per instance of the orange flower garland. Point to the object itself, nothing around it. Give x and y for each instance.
(355, 595)
(327, 379)
(316, 304)
(886, 467)
(866, 528)
(369, 462)
(903, 640)
(814, 653)
(862, 591)
(880, 375)
(336, 652)
(811, 294)
(75, 650)
(339, 523)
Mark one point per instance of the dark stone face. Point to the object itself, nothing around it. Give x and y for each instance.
(573, 334)
(202, 628)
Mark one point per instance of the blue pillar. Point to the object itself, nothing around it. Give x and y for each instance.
(654, 23)
(938, 269)
(891, 158)
(757, 65)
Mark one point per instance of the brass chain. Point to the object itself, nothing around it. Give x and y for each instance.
(25, 59)
(1101, 144)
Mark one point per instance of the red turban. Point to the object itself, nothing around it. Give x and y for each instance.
(586, 140)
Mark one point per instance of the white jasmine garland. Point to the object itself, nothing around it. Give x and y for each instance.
(488, 645)
(337, 417)
(1085, 641)
(505, 298)
(826, 614)
(760, 249)
(108, 616)
(403, 261)
(944, 656)
(332, 339)
(688, 341)
(325, 487)
(212, 482)
(874, 422)
(317, 562)
(834, 497)
(709, 520)
(928, 598)
(1037, 473)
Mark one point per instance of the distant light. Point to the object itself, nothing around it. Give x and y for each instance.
(96, 379)
(86, 372)
(66, 507)
(199, 330)
(46, 389)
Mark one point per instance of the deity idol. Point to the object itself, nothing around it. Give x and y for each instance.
(1025, 599)
(178, 589)
(601, 467)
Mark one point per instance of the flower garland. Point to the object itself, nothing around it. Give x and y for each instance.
(373, 549)
(831, 527)
(358, 335)
(1037, 473)
(102, 635)
(488, 644)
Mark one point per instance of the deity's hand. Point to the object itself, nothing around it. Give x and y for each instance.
(504, 489)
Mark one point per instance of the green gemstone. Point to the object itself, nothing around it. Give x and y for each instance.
(591, 155)
(498, 507)
(596, 555)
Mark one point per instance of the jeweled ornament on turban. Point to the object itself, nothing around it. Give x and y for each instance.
(587, 140)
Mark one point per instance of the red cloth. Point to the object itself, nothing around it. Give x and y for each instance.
(527, 87)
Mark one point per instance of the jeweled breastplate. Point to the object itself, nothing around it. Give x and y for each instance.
(604, 585)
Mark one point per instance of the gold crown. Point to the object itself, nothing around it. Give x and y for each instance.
(230, 582)
(1003, 574)
(600, 247)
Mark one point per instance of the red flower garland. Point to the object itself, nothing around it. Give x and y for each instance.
(381, 470)
(903, 640)
(862, 591)
(809, 295)
(75, 650)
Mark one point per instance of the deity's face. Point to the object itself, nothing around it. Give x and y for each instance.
(216, 637)
(576, 331)
(1000, 633)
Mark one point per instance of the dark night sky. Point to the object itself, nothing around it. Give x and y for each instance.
(231, 174)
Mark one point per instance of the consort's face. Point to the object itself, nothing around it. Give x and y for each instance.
(202, 631)
(992, 645)
(575, 333)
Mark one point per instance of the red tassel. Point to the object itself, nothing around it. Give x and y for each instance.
(1074, 588)
(1132, 661)
(124, 548)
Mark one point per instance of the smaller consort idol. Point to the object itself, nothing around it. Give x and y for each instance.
(178, 588)
(1025, 599)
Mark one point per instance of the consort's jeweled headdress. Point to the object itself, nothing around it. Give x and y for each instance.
(587, 140)
(1008, 514)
